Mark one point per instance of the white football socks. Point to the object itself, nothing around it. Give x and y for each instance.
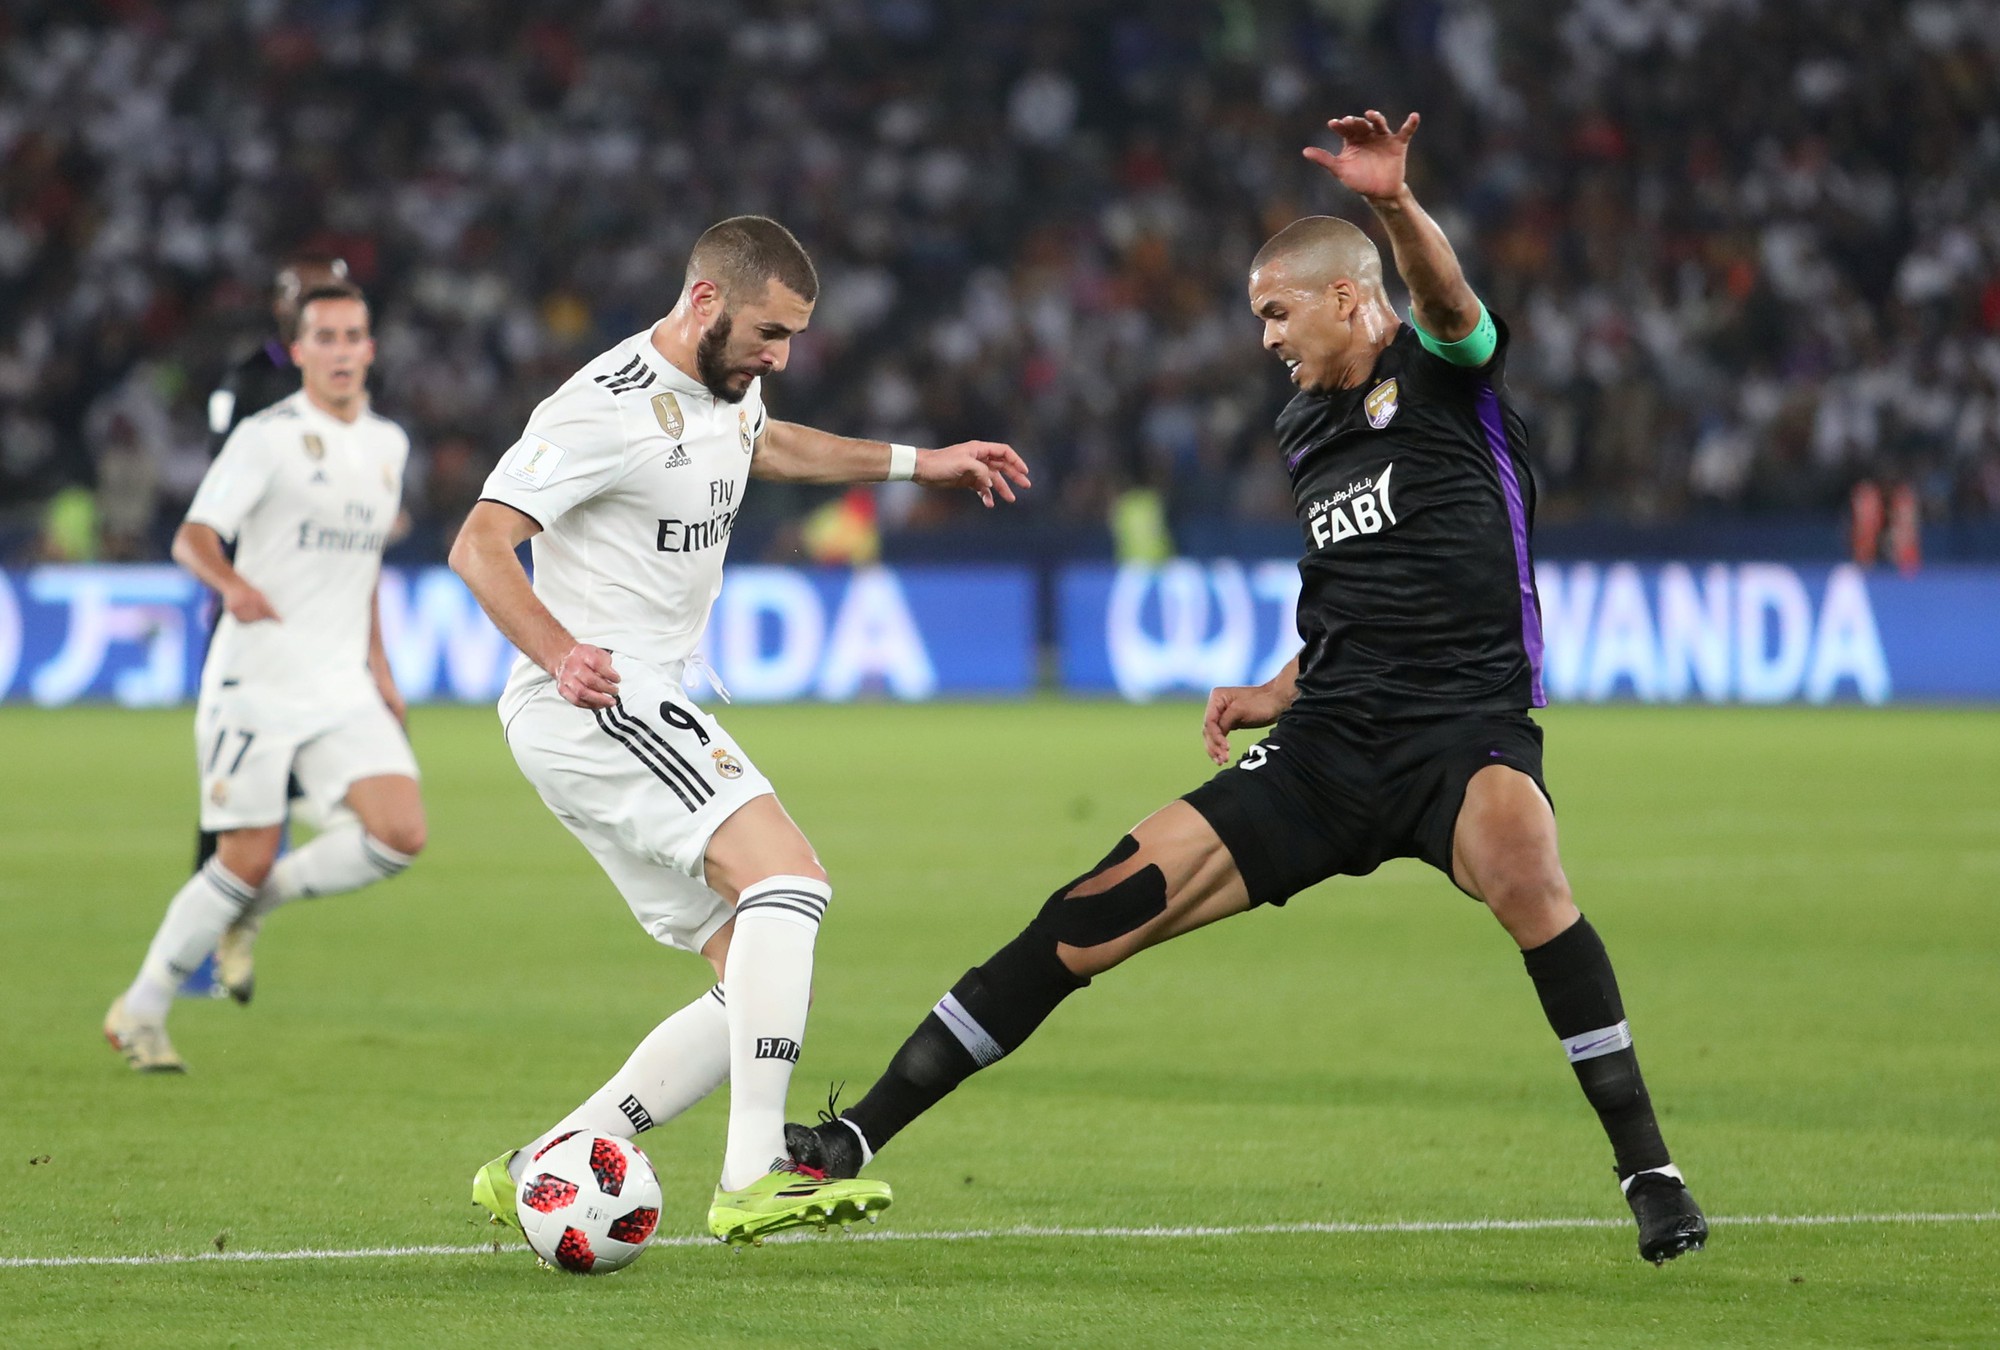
(770, 985)
(681, 1061)
(345, 858)
(196, 919)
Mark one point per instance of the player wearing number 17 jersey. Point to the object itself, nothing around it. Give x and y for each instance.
(1402, 727)
(296, 684)
(628, 480)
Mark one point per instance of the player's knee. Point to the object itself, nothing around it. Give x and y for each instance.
(251, 871)
(406, 835)
(1090, 912)
(1527, 899)
(248, 859)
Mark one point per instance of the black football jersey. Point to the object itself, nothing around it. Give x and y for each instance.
(1413, 491)
(253, 384)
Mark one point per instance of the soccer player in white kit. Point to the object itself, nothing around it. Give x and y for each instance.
(628, 479)
(297, 682)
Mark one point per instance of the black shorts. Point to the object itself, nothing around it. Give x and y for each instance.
(1322, 797)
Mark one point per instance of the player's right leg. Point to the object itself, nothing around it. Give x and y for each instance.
(204, 907)
(244, 764)
(1170, 875)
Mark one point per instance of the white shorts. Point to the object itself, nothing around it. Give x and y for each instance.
(644, 785)
(247, 749)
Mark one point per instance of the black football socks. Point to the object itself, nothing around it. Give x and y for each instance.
(989, 1013)
(1572, 975)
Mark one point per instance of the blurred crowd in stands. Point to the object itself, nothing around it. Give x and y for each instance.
(1749, 250)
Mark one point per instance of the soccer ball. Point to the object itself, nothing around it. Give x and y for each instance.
(588, 1202)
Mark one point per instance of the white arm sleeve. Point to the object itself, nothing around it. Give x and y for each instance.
(573, 449)
(234, 484)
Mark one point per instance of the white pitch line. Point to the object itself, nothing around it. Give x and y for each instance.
(1030, 1231)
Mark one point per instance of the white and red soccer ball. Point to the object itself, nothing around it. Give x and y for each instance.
(588, 1202)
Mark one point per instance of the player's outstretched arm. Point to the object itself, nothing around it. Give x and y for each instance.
(199, 549)
(1371, 162)
(484, 558)
(1234, 706)
(790, 453)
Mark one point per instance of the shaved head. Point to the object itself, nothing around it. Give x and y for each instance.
(1319, 250)
(1317, 287)
(743, 254)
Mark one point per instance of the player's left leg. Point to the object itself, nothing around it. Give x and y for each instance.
(1504, 854)
(382, 838)
(760, 861)
(1170, 875)
(361, 779)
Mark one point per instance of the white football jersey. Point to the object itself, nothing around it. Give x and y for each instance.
(635, 473)
(308, 501)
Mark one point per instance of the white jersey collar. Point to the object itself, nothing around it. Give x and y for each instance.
(313, 412)
(672, 375)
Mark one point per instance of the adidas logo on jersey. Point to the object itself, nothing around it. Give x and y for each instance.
(679, 458)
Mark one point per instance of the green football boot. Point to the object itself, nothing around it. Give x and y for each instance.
(493, 1190)
(792, 1195)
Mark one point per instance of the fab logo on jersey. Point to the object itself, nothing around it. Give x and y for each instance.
(1359, 508)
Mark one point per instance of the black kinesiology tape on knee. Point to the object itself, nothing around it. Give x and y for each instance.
(1090, 920)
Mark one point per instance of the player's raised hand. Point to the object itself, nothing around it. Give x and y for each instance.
(1233, 706)
(247, 604)
(1371, 156)
(986, 467)
(585, 677)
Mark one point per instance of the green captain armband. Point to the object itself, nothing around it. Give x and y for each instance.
(1474, 349)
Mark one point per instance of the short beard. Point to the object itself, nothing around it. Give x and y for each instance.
(708, 367)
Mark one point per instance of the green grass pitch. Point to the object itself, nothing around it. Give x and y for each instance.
(1802, 906)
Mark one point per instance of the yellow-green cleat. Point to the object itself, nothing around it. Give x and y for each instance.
(493, 1190)
(793, 1196)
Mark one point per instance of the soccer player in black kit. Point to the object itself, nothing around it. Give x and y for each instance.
(1402, 727)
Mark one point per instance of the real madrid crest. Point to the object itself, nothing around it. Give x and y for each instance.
(218, 792)
(1380, 405)
(667, 410)
(315, 447)
(743, 428)
(727, 764)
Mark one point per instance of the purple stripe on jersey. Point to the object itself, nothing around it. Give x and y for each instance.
(1517, 521)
